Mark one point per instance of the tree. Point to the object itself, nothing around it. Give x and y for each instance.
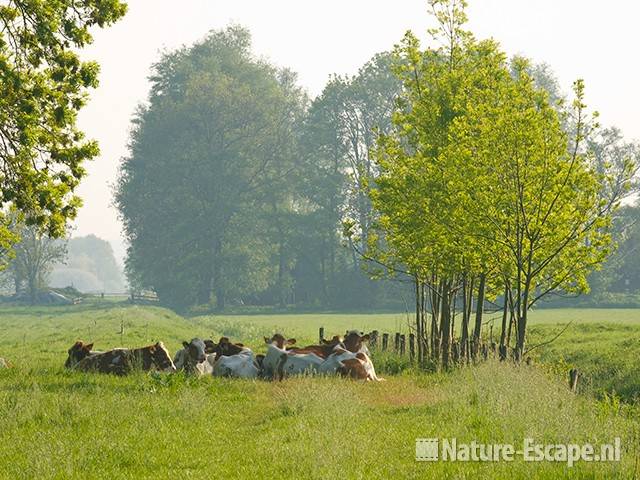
(484, 177)
(44, 84)
(90, 265)
(210, 156)
(340, 133)
(35, 256)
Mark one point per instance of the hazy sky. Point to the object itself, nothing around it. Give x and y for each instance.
(588, 39)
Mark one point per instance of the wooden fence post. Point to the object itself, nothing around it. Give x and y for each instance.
(574, 374)
(321, 334)
(396, 342)
(412, 347)
(403, 341)
(455, 352)
(385, 341)
(373, 339)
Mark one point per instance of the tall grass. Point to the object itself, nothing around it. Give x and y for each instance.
(67, 425)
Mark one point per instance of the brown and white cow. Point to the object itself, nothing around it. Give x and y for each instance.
(279, 362)
(234, 360)
(351, 358)
(354, 341)
(192, 357)
(79, 351)
(121, 361)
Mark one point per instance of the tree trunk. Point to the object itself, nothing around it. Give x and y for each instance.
(419, 319)
(479, 309)
(281, 273)
(445, 325)
(503, 330)
(217, 275)
(464, 338)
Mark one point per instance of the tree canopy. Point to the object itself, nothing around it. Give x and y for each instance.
(44, 84)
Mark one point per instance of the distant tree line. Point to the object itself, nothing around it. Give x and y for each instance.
(236, 185)
(456, 176)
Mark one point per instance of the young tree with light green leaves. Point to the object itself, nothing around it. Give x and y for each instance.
(484, 179)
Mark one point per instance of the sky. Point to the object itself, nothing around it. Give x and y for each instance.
(588, 39)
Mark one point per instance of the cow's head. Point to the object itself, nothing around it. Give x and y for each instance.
(77, 352)
(226, 348)
(335, 340)
(259, 362)
(209, 346)
(279, 341)
(195, 349)
(354, 340)
(161, 358)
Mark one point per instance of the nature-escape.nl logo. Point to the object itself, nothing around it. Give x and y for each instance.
(450, 450)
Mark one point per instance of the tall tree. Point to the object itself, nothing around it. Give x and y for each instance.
(209, 154)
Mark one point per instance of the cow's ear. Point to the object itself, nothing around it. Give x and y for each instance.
(365, 337)
(240, 345)
(267, 340)
(78, 344)
(291, 341)
(88, 346)
(185, 344)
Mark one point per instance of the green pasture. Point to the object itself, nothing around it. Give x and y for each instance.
(56, 424)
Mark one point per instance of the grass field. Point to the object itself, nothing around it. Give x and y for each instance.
(67, 425)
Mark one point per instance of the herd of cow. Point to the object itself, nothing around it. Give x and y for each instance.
(347, 356)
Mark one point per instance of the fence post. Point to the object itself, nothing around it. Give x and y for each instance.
(385, 341)
(455, 352)
(574, 374)
(412, 347)
(396, 342)
(373, 339)
(403, 340)
(321, 334)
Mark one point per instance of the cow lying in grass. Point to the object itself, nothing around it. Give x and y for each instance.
(78, 352)
(197, 357)
(234, 360)
(279, 362)
(348, 357)
(121, 361)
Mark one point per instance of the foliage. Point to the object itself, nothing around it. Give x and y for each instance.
(246, 182)
(44, 85)
(484, 177)
(90, 266)
(35, 256)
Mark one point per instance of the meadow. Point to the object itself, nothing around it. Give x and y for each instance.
(66, 425)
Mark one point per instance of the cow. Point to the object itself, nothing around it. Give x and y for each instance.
(191, 357)
(323, 351)
(78, 352)
(279, 362)
(354, 341)
(234, 360)
(121, 361)
(359, 368)
(351, 359)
